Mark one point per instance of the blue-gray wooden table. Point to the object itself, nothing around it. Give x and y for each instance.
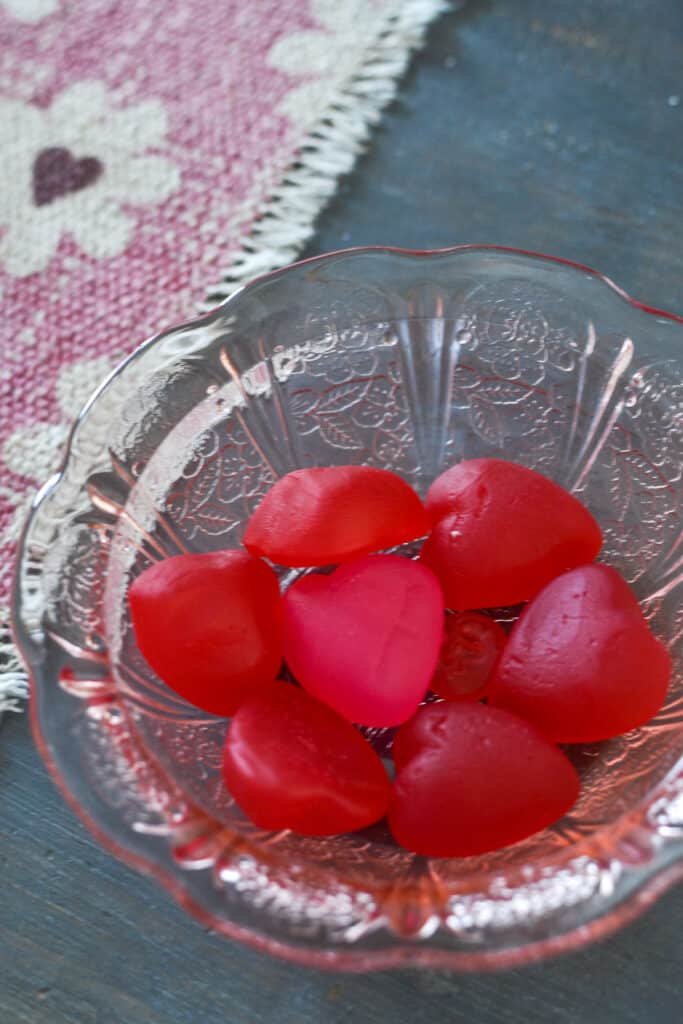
(545, 124)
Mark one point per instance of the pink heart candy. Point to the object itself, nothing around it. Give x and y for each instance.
(366, 638)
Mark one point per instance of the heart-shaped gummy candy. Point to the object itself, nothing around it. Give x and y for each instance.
(366, 638)
(324, 515)
(471, 646)
(291, 762)
(472, 778)
(210, 625)
(502, 532)
(581, 663)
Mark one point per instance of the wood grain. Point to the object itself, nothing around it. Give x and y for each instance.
(544, 124)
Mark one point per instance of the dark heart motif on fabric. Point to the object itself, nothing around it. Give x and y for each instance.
(56, 172)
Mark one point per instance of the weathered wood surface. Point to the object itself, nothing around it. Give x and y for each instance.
(547, 124)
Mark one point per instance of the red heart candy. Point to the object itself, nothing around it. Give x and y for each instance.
(474, 778)
(331, 514)
(469, 652)
(581, 662)
(366, 638)
(291, 762)
(502, 532)
(210, 625)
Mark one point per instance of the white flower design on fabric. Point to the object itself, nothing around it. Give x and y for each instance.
(329, 55)
(30, 11)
(68, 169)
(33, 451)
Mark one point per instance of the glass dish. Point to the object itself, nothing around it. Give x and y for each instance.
(395, 359)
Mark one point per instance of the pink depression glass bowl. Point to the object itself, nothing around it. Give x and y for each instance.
(408, 361)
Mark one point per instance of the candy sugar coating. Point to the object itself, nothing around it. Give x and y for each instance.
(501, 532)
(366, 638)
(210, 625)
(291, 762)
(331, 514)
(473, 779)
(581, 663)
(471, 646)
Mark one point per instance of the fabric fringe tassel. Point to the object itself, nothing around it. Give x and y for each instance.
(286, 221)
(13, 681)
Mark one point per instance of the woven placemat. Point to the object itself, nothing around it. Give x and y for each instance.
(153, 157)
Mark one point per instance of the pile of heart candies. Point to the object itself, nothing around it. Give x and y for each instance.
(368, 636)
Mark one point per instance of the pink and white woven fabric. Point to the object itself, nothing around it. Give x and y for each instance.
(152, 154)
